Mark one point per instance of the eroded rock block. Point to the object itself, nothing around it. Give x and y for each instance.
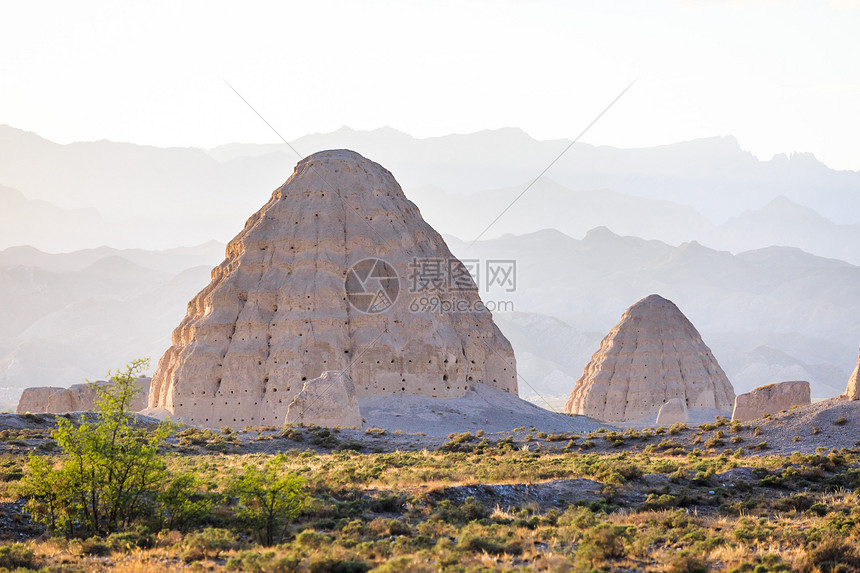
(770, 399)
(853, 389)
(76, 398)
(673, 412)
(329, 401)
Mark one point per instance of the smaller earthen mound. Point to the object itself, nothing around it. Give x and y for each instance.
(771, 399)
(77, 398)
(673, 412)
(654, 354)
(329, 400)
(853, 390)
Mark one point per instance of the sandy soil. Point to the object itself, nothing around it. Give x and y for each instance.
(482, 408)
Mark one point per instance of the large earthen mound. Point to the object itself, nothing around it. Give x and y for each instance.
(654, 354)
(277, 314)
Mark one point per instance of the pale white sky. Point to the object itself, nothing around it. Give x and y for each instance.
(782, 76)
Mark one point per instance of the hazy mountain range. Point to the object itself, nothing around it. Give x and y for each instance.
(706, 190)
(760, 255)
(768, 315)
(70, 317)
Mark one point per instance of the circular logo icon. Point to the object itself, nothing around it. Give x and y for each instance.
(372, 286)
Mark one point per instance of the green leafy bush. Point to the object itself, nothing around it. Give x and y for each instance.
(16, 555)
(109, 470)
(269, 497)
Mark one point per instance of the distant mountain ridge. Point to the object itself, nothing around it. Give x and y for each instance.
(805, 307)
(26, 221)
(200, 195)
(172, 260)
(767, 314)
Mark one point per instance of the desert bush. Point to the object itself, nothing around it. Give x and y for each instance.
(110, 468)
(331, 565)
(16, 555)
(688, 562)
(831, 554)
(263, 562)
(211, 542)
(677, 428)
(601, 542)
(767, 563)
(310, 539)
(323, 438)
(468, 511)
(138, 538)
(269, 497)
(181, 503)
(475, 543)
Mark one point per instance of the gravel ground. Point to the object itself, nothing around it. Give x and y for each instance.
(837, 421)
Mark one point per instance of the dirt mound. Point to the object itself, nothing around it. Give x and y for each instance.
(833, 423)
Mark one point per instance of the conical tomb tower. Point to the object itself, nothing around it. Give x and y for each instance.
(654, 354)
(331, 274)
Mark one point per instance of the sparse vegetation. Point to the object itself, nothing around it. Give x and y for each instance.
(109, 471)
(473, 504)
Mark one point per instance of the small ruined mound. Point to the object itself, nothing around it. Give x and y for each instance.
(771, 399)
(673, 412)
(76, 398)
(654, 354)
(329, 400)
(277, 312)
(853, 389)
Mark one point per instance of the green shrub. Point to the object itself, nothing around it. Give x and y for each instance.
(831, 554)
(265, 562)
(473, 543)
(110, 469)
(310, 539)
(688, 562)
(95, 546)
(328, 565)
(138, 538)
(181, 504)
(269, 497)
(211, 542)
(15, 555)
(323, 438)
(602, 542)
(468, 511)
